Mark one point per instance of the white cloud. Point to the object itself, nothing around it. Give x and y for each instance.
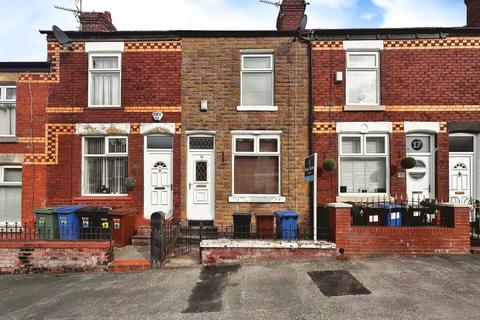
(424, 13)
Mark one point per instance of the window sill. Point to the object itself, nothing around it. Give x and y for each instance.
(256, 199)
(363, 108)
(121, 197)
(8, 139)
(257, 108)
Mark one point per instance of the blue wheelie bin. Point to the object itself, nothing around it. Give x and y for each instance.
(393, 213)
(287, 224)
(68, 222)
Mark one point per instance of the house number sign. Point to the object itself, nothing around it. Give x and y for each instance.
(417, 144)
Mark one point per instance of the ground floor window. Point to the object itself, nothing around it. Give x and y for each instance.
(10, 194)
(105, 165)
(256, 164)
(363, 164)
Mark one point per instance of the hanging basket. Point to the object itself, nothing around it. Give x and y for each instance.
(408, 163)
(329, 165)
(130, 183)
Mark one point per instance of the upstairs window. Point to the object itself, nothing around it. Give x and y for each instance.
(8, 97)
(104, 79)
(363, 79)
(257, 80)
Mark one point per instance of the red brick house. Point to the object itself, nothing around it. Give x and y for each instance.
(380, 95)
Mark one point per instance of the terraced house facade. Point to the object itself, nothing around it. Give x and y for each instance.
(200, 124)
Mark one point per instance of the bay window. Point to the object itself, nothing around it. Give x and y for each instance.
(8, 96)
(363, 79)
(363, 164)
(104, 79)
(257, 82)
(256, 164)
(105, 165)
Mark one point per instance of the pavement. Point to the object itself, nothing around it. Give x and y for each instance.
(442, 287)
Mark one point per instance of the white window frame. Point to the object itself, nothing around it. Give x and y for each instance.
(3, 99)
(376, 68)
(107, 154)
(92, 71)
(364, 155)
(2, 176)
(256, 153)
(270, 107)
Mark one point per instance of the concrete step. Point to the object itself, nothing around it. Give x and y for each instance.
(128, 266)
(475, 249)
(144, 230)
(140, 241)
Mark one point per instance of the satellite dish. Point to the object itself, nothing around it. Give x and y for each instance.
(62, 38)
(303, 25)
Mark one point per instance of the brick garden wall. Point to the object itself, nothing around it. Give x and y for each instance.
(359, 241)
(53, 257)
(421, 80)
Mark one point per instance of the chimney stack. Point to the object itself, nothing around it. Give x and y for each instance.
(473, 13)
(96, 21)
(290, 15)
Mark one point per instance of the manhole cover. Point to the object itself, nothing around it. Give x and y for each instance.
(337, 283)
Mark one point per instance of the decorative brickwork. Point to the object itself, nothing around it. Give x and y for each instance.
(413, 108)
(52, 134)
(398, 127)
(147, 109)
(324, 127)
(153, 46)
(327, 45)
(64, 109)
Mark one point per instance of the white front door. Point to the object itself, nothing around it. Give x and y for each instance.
(419, 180)
(158, 177)
(200, 179)
(461, 173)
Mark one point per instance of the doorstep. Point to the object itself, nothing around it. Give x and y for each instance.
(475, 249)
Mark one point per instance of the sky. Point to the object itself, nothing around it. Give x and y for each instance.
(21, 40)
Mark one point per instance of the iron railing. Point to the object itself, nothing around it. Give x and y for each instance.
(40, 232)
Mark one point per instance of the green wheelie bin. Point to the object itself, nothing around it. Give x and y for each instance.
(46, 224)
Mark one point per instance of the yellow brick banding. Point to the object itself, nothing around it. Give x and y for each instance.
(31, 139)
(398, 127)
(64, 109)
(153, 109)
(153, 46)
(428, 108)
(324, 127)
(52, 133)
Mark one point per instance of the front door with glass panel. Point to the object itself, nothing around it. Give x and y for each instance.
(200, 178)
(158, 176)
(420, 179)
(461, 171)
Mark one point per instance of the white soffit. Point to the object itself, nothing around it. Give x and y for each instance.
(364, 127)
(157, 128)
(363, 45)
(104, 46)
(421, 127)
(103, 129)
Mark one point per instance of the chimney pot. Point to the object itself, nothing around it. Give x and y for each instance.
(473, 13)
(290, 15)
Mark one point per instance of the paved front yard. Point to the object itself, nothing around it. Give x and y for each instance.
(401, 288)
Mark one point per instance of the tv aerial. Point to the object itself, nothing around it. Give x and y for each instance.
(272, 2)
(62, 38)
(77, 11)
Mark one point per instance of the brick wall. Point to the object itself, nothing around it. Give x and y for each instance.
(358, 241)
(211, 71)
(53, 257)
(421, 80)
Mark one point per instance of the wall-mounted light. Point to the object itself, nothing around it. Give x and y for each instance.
(204, 105)
(339, 77)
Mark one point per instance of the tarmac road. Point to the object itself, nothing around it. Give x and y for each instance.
(446, 287)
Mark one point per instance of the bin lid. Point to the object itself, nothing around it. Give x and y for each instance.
(242, 214)
(286, 214)
(68, 209)
(86, 211)
(48, 210)
(103, 210)
(264, 214)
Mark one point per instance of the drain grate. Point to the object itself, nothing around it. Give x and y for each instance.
(337, 283)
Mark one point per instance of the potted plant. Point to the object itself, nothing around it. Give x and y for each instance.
(408, 163)
(329, 165)
(130, 183)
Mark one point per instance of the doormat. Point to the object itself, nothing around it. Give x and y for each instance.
(337, 283)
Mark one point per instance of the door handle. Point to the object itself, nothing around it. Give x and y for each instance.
(190, 185)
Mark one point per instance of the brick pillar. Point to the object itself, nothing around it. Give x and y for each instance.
(442, 167)
(462, 225)
(340, 223)
(398, 186)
